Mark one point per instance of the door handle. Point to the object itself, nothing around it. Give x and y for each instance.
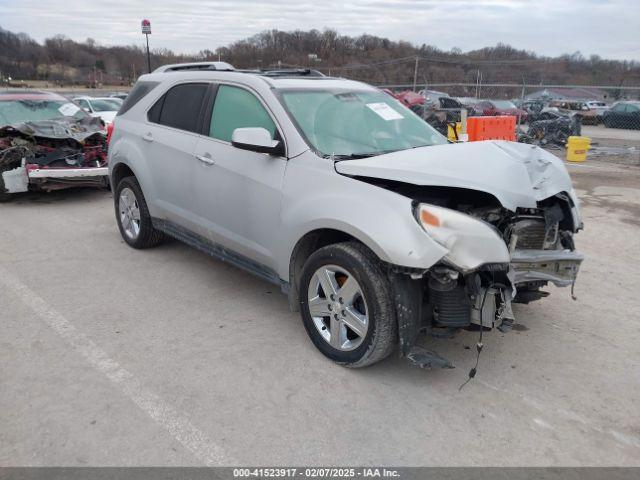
(148, 137)
(206, 159)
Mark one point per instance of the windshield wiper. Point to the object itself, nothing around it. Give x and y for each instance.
(355, 156)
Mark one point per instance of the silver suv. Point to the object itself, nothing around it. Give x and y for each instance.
(376, 227)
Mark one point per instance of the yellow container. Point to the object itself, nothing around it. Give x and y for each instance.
(451, 135)
(577, 148)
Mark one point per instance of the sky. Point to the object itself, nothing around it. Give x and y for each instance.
(609, 28)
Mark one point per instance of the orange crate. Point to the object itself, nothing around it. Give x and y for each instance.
(491, 128)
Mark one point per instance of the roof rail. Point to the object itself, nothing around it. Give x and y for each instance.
(290, 72)
(224, 66)
(178, 67)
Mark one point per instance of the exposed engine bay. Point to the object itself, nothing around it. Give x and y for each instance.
(523, 205)
(52, 154)
(539, 240)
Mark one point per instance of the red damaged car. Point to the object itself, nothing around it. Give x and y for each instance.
(47, 143)
(495, 108)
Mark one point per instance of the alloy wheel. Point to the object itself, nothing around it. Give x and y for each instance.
(338, 307)
(129, 213)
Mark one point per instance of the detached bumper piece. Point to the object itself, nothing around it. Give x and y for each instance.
(559, 267)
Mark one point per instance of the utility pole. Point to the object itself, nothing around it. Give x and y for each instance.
(521, 102)
(478, 83)
(415, 75)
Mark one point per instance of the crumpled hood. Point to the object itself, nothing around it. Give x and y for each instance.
(518, 175)
(60, 128)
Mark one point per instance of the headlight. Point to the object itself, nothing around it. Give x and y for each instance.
(470, 242)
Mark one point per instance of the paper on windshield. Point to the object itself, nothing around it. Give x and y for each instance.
(384, 111)
(69, 109)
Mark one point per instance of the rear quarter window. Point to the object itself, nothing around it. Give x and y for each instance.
(139, 91)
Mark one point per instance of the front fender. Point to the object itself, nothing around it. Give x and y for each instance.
(380, 219)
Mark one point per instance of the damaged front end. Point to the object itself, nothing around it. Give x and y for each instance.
(450, 296)
(505, 213)
(496, 257)
(52, 154)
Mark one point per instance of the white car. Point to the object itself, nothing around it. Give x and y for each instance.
(598, 106)
(374, 224)
(103, 107)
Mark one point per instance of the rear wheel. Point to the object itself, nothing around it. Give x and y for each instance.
(346, 305)
(133, 216)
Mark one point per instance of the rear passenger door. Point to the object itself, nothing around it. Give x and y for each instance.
(169, 143)
(238, 191)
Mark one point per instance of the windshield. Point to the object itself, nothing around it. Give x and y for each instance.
(100, 105)
(503, 104)
(18, 111)
(346, 123)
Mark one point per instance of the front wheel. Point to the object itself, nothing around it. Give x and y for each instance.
(347, 305)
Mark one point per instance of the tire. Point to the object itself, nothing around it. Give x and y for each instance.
(147, 236)
(374, 301)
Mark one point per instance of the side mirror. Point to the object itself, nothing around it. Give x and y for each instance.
(256, 140)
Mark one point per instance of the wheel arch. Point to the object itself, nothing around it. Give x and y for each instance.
(119, 171)
(309, 243)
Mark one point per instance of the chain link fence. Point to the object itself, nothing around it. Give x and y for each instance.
(546, 114)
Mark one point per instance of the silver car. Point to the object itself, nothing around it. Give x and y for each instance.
(374, 225)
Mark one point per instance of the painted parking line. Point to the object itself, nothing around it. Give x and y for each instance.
(176, 423)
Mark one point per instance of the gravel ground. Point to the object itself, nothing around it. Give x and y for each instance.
(111, 356)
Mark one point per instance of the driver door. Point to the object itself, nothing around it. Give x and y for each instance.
(238, 192)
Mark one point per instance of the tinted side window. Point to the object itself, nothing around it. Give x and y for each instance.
(140, 89)
(181, 106)
(237, 108)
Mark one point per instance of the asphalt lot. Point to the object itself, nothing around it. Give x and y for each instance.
(111, 356)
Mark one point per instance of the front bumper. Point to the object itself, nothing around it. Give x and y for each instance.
(68, 172)
(559, 267)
